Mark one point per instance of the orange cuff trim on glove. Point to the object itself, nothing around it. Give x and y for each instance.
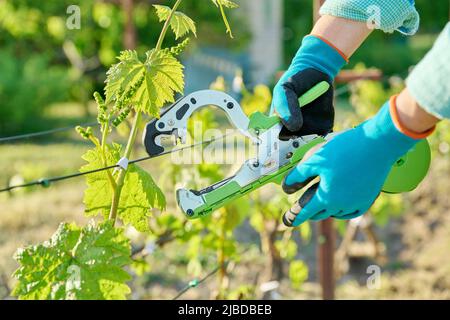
(331, 45)
(401, 127)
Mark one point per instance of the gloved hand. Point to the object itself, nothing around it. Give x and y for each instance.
(315, 61)
(352, 167)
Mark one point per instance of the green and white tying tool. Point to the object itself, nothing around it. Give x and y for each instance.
(276, 154)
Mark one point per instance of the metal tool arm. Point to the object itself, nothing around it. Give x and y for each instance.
(174, 120)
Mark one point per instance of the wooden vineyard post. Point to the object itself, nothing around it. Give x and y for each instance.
(326, 236)
(129, 36)
(326, 233)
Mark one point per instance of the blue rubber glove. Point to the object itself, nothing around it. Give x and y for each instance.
(315, 61)
(352, 167)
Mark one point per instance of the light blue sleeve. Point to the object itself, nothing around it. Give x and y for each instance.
(429, 82)
(386, 15)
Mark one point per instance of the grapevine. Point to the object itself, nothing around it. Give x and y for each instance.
(90, 262)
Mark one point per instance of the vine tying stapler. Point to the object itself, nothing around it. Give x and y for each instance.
(276, 154)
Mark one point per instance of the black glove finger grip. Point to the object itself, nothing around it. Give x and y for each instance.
(290, 189)
(307, 196)
(292, 213)
(316, 117)
(295, 121)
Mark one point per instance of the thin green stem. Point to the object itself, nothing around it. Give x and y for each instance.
(167, 25)
(122, 173)
(105, 129)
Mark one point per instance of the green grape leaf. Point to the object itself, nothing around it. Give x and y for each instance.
(98, 194)
(180, 23)
(76, 263)
(227, 4)
(122, 75)
(139, 193)
(148, 85)
(163, 78)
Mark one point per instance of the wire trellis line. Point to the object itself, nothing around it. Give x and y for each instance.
(195, 283)
(43, 133)
(46, 182)
(339, 91)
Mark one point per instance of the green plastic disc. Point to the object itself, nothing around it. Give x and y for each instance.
(409, 170)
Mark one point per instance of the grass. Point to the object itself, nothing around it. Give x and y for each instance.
(34, 160)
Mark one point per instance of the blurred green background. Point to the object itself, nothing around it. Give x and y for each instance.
(43, 62)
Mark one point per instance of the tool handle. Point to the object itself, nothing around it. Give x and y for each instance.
(259, 121)
(313, 93)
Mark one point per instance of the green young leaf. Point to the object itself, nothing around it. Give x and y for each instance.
(227, 4)
(76, 263)
(163, 78)
(145, 85)
(179, 48)
(123, 76)
(287, 249)
(305, 231)
(139, 193)
(98, 194)
(180, 23)
(298, 273)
